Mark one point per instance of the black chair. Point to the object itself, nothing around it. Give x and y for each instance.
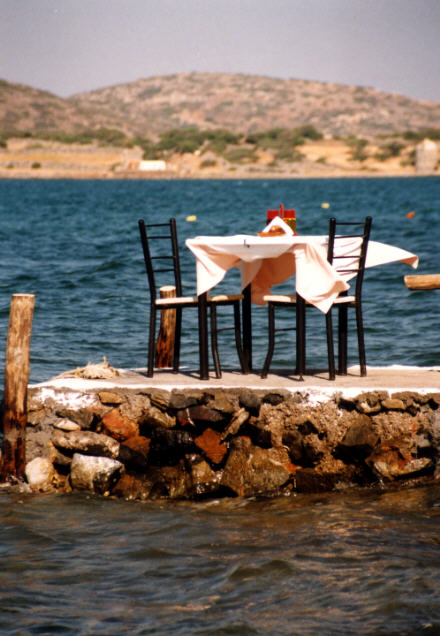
(163, 258)
(350, 266)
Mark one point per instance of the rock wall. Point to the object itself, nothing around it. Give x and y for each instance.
(210, 443)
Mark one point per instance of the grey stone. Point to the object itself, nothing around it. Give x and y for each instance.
(39, 474)
(169, 481)
(110, 397)
(391, 469)
(393, 459)
(222, 403)
(38, 441)
(393, 404)
(135, 406)
(205, 415)
(293, 441)
(181, 400)
(62, 461)
(370, 402)
(169, 445)
(83, 416)
(251, 401)
(86, 442)
(160, 399)
(67, 425)
(259, 433)
(132, 458)
(359, 440)
(274, 398)
(308, 480)
(434, 429)
(154, 417)
(204, 480)
(96, 474)
(240, 417)
(251, 470)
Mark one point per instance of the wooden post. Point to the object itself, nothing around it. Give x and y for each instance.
(17, 369)
(165, 341)
(422, 281)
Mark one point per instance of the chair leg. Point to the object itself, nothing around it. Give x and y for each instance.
(238, 341)
(214, 342)
(330, 347)
(361, 342)
(247, 326)
(300, 336)
(342, 339)
(177, 339)
(151, 342)
(271, 318)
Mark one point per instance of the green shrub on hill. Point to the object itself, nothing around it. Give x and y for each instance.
(393, 149)
(419, 135)
(208, 163)
(309, 132)
(104, 136)
(357, 148)
(180, 140)
(149, 148)
(282, 141)
(241, 154)
(219, 140)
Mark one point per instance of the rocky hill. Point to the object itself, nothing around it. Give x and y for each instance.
(240, 103)
(23, 108)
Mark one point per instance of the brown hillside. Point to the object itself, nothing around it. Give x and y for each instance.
(247, 103)
(241, 103)
(29, 109)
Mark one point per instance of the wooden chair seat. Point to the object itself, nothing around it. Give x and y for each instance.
(340, 300)
(224, 298)
(193, 300)
(280, 298)
(176, 300)
(291, 299)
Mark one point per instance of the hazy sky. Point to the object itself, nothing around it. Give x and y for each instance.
(70, 46)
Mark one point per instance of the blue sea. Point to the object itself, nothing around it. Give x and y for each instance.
(75, 245)
(347, 563)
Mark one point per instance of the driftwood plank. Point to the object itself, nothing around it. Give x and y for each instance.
(422, 281)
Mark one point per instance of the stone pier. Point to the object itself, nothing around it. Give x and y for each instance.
(119, 433)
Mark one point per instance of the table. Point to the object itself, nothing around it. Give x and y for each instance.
(267, 261)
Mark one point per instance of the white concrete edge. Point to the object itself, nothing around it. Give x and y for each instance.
(81, 390)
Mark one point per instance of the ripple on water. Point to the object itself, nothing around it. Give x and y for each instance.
(352, 563)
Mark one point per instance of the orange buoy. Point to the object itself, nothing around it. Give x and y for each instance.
(409, 215)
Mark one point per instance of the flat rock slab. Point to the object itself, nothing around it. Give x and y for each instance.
(317, 384)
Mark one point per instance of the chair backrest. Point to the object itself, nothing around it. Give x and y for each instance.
(353, 264)
(161, 254)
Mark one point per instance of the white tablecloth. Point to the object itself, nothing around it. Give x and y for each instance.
(267, 261)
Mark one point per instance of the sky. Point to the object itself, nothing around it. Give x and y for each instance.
(72, 46)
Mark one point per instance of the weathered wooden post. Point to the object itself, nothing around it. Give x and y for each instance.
(165, 341)
(422, 281)
(16, 382)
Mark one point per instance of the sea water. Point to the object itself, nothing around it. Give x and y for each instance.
(344, 563)
(75, 245)
(331, 564)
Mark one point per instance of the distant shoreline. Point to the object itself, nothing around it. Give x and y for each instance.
(249, 174)
(24, 158)
(227, 176)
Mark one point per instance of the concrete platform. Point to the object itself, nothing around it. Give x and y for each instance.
(316, 385)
